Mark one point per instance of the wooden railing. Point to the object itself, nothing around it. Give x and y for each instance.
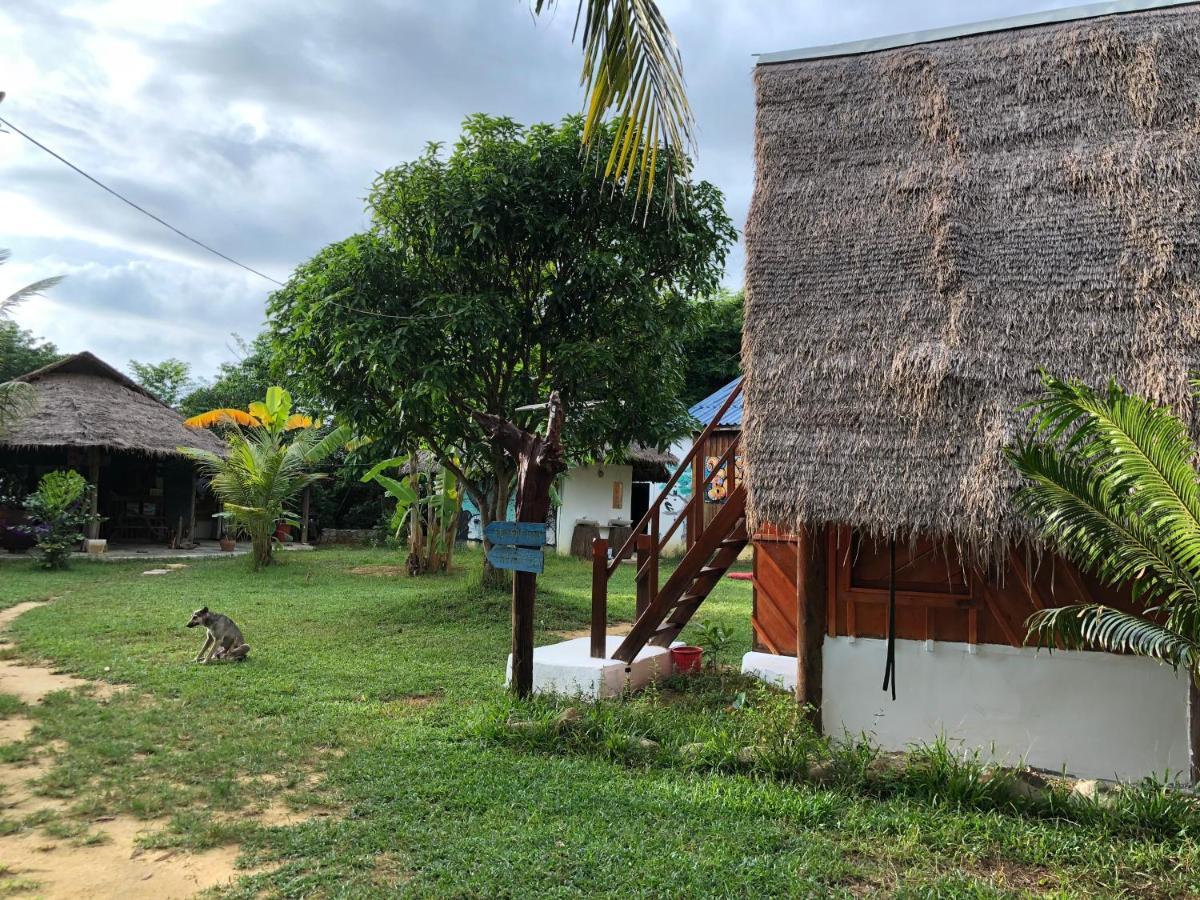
(646, 543)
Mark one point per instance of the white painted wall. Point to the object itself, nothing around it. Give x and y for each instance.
(586, 492)
(674, 504)
(1094, 714)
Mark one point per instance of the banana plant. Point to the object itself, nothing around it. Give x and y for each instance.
(429, 503)
(273, 413)
(264, 469)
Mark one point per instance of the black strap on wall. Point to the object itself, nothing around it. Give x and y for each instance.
(889, 668)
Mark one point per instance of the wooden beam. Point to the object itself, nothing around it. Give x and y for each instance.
(831, 581)
(599, 598)
(93, 529)
(811, 566)
(305, 502)
(645, 579)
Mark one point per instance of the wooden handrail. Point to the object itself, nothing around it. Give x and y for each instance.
(698, 494)
(631, 542)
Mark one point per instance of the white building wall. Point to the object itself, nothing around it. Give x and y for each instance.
(1092, 714)
(674, 504)
(586, 492)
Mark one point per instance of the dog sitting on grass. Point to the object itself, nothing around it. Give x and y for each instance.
(224, 640)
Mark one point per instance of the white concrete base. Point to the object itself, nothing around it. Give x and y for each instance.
(1091, 714)
(568, 668)
(779, 671)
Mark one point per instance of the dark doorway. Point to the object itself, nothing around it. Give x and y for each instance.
(639, 500)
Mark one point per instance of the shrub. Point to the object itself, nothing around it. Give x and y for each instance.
(58, 514)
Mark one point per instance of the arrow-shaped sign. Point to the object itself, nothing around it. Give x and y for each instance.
(516, 534)
(518, 559)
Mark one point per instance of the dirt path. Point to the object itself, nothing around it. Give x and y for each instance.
(113, 866)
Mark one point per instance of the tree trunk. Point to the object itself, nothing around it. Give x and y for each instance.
(539, 461)
(493, 579)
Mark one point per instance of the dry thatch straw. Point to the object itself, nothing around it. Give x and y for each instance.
(933, 223)
(84, 402)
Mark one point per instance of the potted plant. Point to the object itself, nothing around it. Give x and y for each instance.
(227, 540)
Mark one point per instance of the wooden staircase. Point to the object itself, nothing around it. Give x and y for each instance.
(713, 547)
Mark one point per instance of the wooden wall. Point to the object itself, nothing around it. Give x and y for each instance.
(938, 596)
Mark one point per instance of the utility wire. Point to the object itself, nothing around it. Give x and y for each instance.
(129, 202)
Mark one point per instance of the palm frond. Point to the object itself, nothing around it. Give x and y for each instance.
(1100, 627)
(1142, 451)
(631, 65)
(30, 290)
(17, 400)
(1074, 508)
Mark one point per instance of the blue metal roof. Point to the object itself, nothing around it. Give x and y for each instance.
(707, 408)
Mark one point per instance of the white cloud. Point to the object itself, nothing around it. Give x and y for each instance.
(258, 128)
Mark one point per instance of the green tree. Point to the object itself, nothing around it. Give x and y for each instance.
(240, 383)
(267, 467)
(168, 380)
(713, 349)
(491, 277)
(1111, 483)
(22, 352)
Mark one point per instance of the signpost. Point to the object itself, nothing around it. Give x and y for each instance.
(517, 546)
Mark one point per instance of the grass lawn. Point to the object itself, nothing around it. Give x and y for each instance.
(367, 698)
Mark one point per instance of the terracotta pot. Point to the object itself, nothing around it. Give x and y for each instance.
(228, 544)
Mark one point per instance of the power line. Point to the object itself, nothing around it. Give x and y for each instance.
(129, 202)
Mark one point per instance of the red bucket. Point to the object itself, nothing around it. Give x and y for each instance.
(687, 659)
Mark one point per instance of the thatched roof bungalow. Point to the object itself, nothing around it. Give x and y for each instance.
(91, 417)
(936, 217)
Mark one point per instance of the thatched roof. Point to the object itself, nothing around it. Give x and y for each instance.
(650, 464)
(82, 401)
(933, 223)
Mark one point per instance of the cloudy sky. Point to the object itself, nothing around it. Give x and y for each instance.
(258, 126)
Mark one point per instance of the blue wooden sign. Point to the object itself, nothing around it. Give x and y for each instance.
(517, 534)
(517, 559)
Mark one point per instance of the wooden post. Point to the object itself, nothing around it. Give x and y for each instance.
(93, 529)
(192, 509)
(599, 598)
(539, 461)
(811, 586)
(643, 575)
(654, 553)
(304, 505)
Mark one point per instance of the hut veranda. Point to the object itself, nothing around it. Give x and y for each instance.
(936, 216)
(90, 417)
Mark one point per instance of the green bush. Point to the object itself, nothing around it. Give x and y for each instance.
(58, 514)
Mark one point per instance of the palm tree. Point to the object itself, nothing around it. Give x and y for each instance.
(631, 64)
(269, 465)
(1111, 483)
(17, 398)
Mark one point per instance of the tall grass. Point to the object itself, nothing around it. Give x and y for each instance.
(717, 721)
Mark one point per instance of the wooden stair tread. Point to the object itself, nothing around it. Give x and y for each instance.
(693, 579)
